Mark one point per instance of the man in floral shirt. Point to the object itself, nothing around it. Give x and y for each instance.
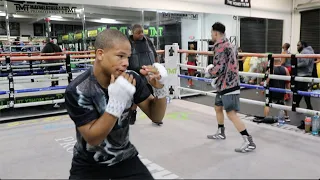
(225, 74)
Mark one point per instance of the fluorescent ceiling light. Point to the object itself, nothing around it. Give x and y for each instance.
(2, 14)
(58, 17)
(20, 16)
(106, 20)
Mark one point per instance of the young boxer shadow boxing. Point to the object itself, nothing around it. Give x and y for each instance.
(225, 79)
(99, 100)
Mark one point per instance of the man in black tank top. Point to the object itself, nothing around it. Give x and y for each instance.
(278, 98)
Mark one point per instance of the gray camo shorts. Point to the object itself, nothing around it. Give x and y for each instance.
(229, 102)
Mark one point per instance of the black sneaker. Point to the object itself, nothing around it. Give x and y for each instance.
(301, 126)
(158, 123)
(132, 117)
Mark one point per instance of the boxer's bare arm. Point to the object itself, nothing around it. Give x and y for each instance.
(154, 108)
(96, 131)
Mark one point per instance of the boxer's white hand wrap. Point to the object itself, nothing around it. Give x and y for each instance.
(120, 93)
(214, 83)
(164, 91)
(206, 71)
(161, 93)
(162, 72)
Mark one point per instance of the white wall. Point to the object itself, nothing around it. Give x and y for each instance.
(227, 20)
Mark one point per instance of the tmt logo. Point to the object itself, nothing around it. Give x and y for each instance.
(22, 7)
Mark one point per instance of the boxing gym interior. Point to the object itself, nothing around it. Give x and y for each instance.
(38, 136)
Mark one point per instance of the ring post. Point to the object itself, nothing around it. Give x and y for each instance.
(269, 70)
(11, 83)
(173, 69)
(294, 73)
(30, 66)
(68, 68)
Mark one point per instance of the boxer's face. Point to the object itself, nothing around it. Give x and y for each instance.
(214, 35)
(299, 47)
(115, 59)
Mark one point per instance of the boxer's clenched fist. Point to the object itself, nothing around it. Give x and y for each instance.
(120, 91)
(156, 74)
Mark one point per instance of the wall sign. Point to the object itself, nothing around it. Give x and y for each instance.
(238, 3)
(179, 16)
(40, 8)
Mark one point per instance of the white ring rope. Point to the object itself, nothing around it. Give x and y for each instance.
(47, 76)
(38, 80)
(172, 61)
(20, 105)
(47, 64)
(260, 75)
(259, 103)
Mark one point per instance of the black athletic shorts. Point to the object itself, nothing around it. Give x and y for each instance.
(129, 169)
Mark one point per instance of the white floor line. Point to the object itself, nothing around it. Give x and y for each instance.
(156, 170)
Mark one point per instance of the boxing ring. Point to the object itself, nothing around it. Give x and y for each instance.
(178, 149)
(21, 73)
(35, 73)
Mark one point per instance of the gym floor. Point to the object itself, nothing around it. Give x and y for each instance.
(42, 148)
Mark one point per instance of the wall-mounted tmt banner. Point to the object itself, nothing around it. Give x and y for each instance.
(239, 3)
(26, 7)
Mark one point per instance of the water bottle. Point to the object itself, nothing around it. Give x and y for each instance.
(168, 99)
(307, 124)
(315, 125)
(281, 119)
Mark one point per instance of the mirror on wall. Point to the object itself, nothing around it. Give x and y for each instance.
(99, 18)
(151, 27)
(28, 25)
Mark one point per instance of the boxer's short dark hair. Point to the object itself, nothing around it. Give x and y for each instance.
(219, 27)
(108, 37)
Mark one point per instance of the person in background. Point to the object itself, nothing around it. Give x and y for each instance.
(241, 60)
(225, 78)
(286, 62)
(278, 98)
(18, 44)
(192, 61)
(143, 54)
(52, 47)
(315, 73)
(304, 69)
